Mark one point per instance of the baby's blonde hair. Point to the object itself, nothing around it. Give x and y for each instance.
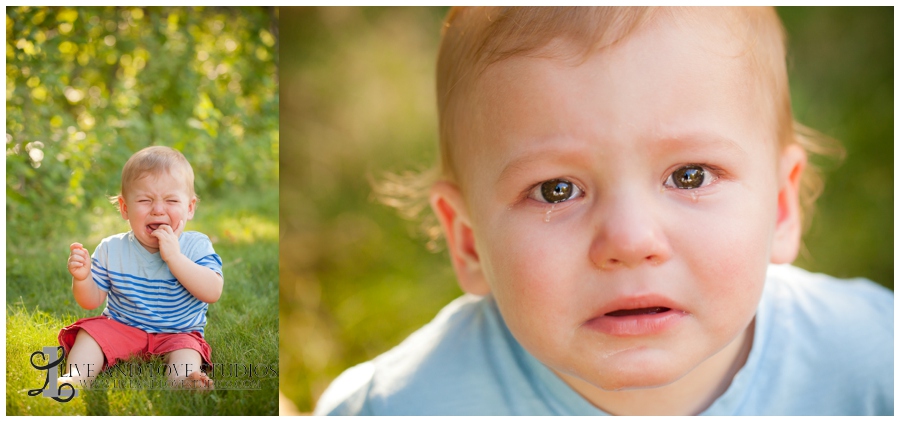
(154, 161)
(473, 38)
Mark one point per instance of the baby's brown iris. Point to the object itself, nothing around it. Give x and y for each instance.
(688, 177)
(555, 191)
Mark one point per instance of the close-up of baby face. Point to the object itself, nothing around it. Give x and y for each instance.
(624, 208)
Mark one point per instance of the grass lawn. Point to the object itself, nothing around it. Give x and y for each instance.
(242, 326)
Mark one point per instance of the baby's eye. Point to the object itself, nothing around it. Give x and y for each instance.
(555, 191)
(691, 176)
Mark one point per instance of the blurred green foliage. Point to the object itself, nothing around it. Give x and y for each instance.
(87, 87)
(358, 101)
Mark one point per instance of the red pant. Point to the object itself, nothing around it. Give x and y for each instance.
(119, 341)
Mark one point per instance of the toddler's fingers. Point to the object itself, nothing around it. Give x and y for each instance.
(161, 232)
(167, 229)
(75, 246)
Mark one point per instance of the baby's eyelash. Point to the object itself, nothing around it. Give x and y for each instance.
(692, 176)
(555, 191)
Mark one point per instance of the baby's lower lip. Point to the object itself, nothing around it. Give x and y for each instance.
(636, 322)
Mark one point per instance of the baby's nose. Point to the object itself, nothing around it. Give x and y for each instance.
(629, 234)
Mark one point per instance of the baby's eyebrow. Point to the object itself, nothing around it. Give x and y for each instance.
(700, 141)
(551, 152)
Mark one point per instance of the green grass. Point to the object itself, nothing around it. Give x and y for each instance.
(242, 326)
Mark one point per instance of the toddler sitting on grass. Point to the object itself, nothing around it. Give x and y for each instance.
(157, 279)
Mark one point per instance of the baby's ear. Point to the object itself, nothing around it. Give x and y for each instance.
(786, 241)
(447, 202)
(192, 208)
(123, 209)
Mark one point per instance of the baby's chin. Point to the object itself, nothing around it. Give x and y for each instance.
(621, 373)
(641, 380)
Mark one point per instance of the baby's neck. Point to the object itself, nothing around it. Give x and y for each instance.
(689, 395)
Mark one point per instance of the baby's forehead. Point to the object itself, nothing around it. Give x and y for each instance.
(686, 50)
(712, 30)
(160, 175)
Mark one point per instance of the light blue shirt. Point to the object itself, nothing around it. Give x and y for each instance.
(142, 292)
(821, 346)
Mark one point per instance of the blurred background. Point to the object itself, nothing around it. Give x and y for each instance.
(86, 88)
(358, 102)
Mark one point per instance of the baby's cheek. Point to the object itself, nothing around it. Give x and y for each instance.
(528, 274)
(733, 266)
(517, 260)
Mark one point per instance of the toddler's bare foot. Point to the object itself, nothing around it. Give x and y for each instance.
(198, 381)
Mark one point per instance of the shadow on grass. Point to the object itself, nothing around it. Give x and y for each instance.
(96, 402)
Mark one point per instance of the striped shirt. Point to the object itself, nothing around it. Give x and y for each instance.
(142, 292)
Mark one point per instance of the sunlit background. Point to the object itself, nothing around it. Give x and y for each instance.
(358, 101)
(87, 87)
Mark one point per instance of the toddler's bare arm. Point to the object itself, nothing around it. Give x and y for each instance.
(86, 292)
(204, 283)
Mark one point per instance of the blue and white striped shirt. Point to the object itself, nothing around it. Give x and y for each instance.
(142, 292)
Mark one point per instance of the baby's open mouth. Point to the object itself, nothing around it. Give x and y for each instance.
(153, 227)
(638, 311)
